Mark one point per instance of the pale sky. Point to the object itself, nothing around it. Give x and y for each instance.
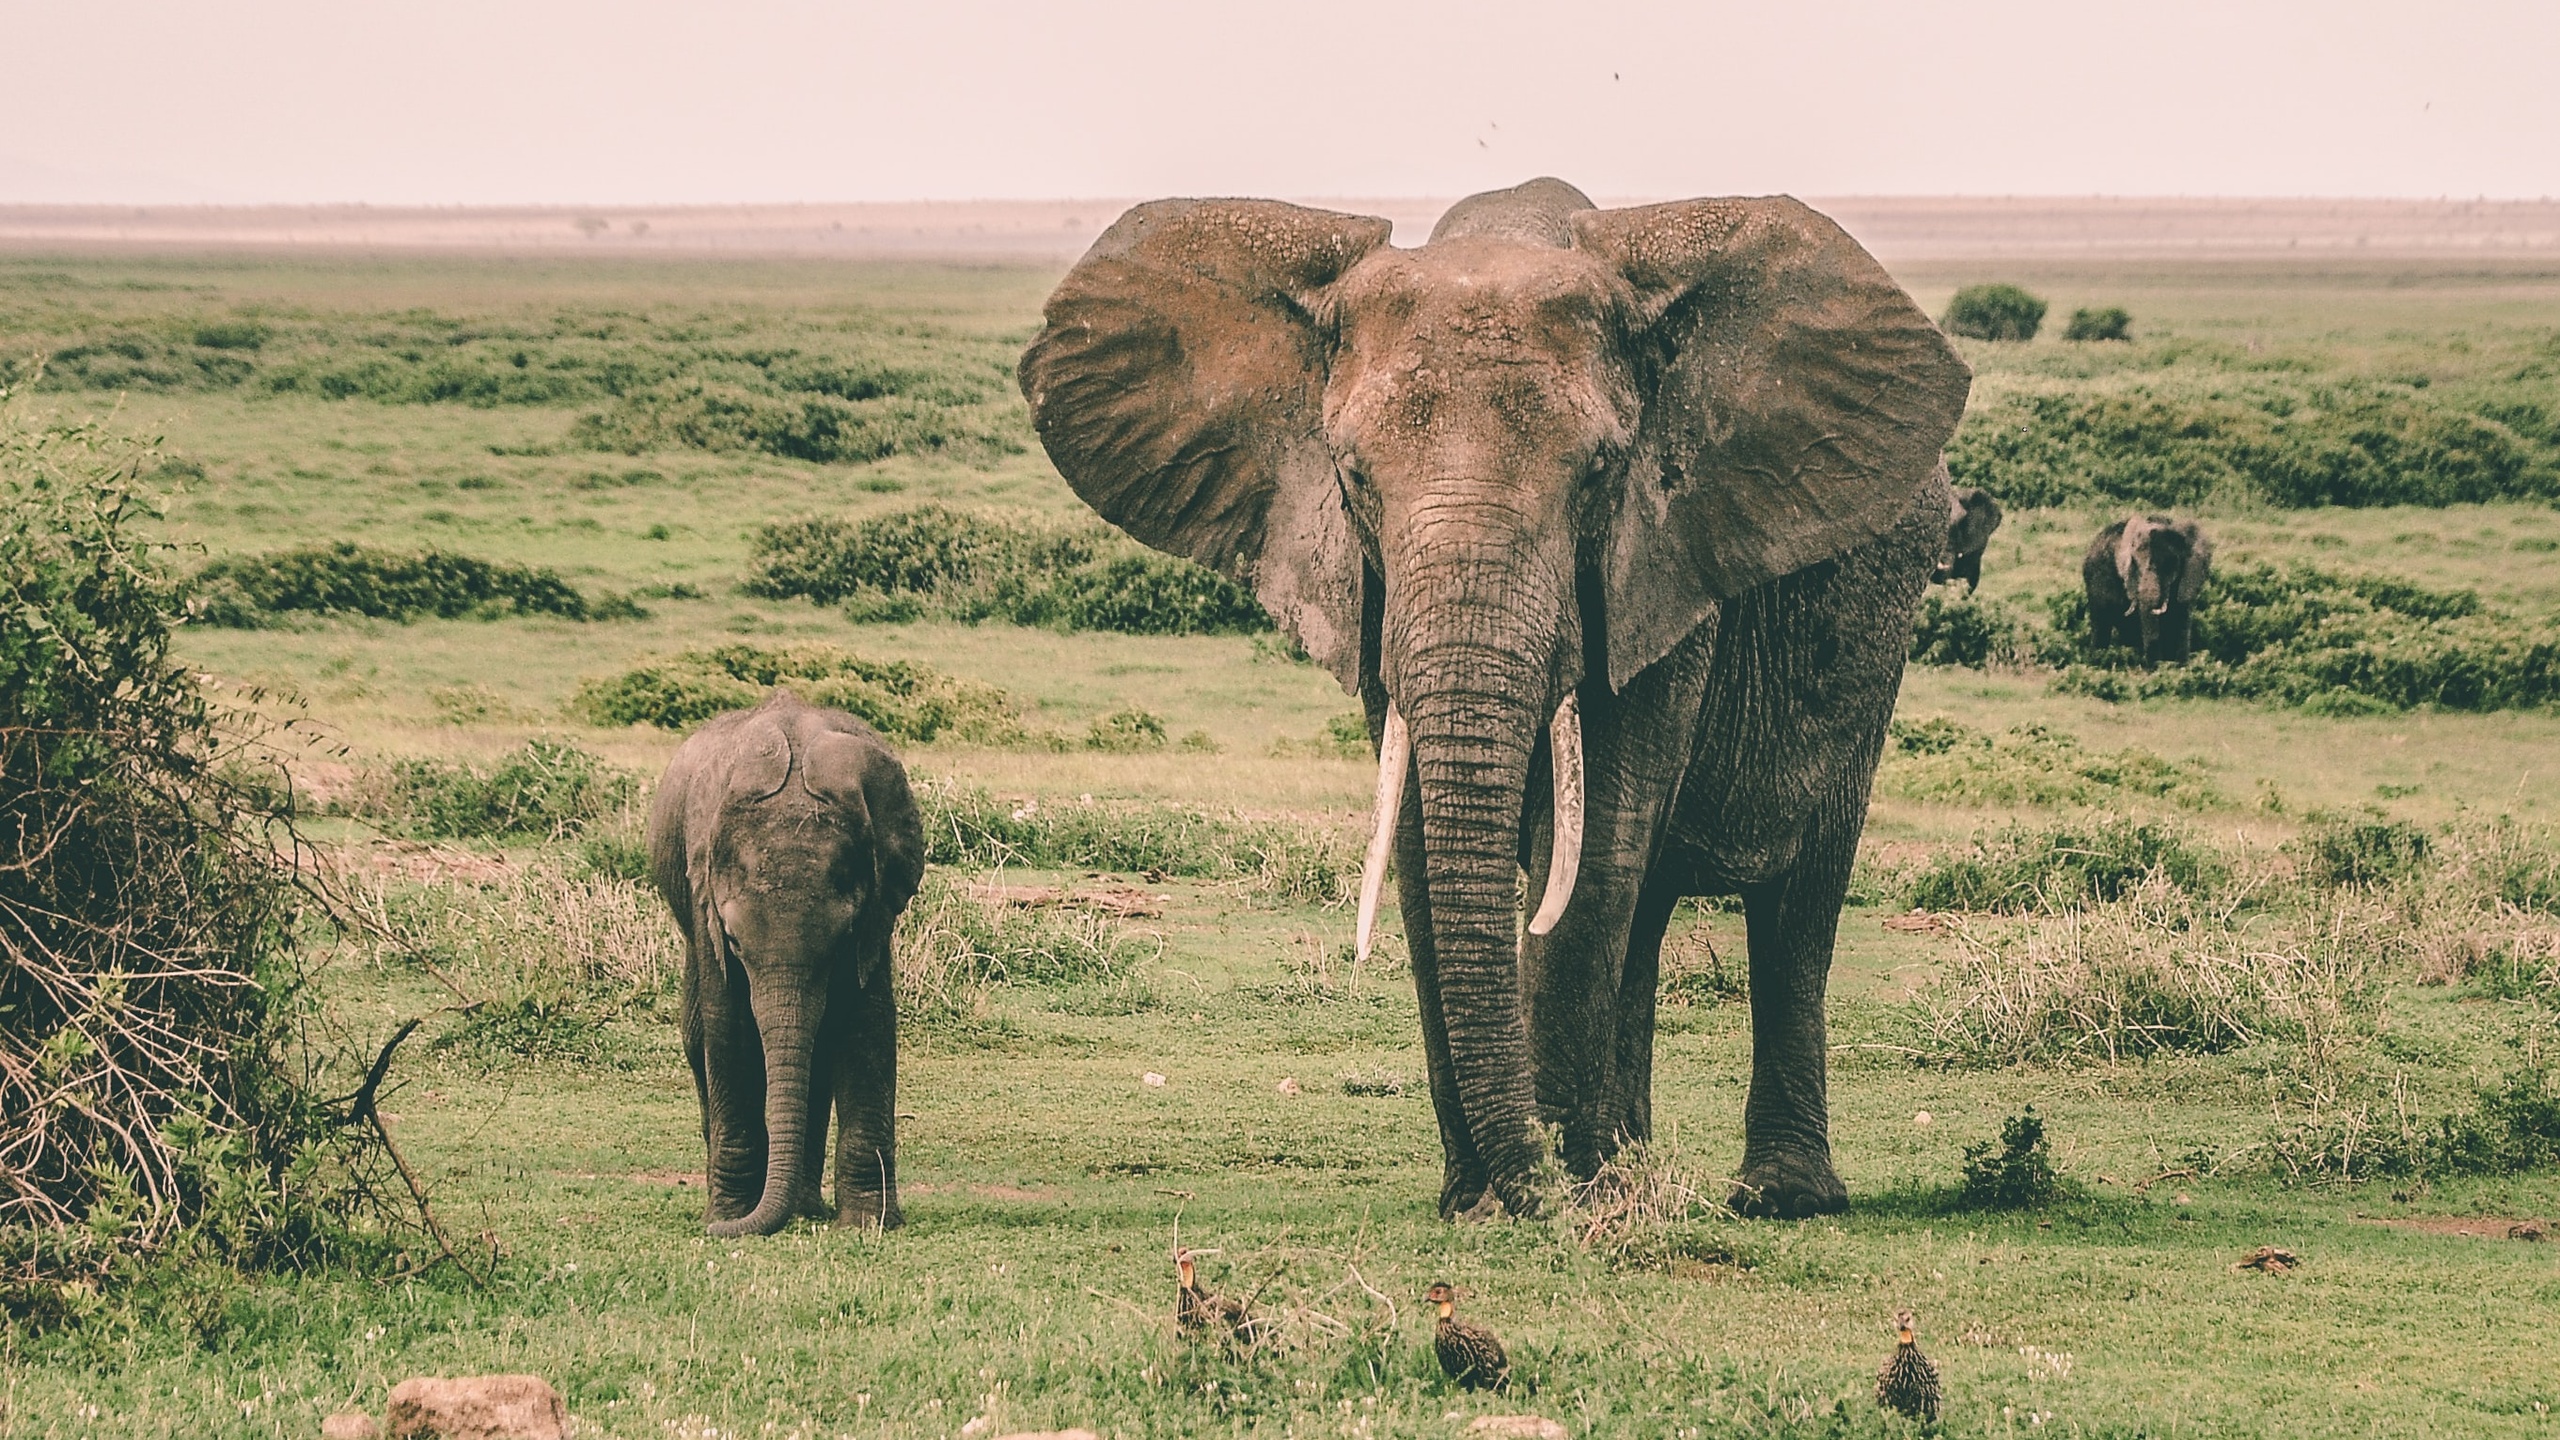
(657, 102)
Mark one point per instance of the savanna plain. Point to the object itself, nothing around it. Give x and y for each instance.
(2271, 953)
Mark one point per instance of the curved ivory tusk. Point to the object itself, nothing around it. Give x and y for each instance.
(2161, 609)
(1395, 750)
(1564, 857)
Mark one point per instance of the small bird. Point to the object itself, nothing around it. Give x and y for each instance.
(1470, 1353)
(1199, 1313)
(1908, 1382)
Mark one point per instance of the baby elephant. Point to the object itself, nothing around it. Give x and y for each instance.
(786, 841)
(1971, 519)
(2142, 575)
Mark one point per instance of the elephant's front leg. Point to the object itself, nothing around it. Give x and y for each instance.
(1786, 1123)
(1576, 978)
(862, 1022)
(727, 1055)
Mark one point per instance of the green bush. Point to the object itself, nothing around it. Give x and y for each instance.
(1970, 631)
(1994, 312)
(2096, 858)
(158, 1080)
(1126, 732)
(899, 698)
(2014, 1173)
(2332, 644)
(1944, 760)
(970, 566)
(350, 579)
(2359, 851)
(709, 415)
(2108, 322)
(546, 788)
(2276, 440)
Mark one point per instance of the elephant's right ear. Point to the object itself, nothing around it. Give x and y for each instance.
(1795, 401)
(1178, 385)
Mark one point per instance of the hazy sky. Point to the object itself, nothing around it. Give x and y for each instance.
(640, 101)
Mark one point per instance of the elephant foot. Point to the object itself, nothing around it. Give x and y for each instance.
(1462, 1191)
(1485, 1208)
(869, 1212)
(1789, 1188)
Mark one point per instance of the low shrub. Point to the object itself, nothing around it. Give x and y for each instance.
(2153, 972)
(546, 788)
(2359, 850)
(349, 579)
(2262, 438)
(1971, 631)
(1286, 861)
(1994, 312)
(1944, 760)
(2096, 858)
(2511, 1127)
(962, 565)
(2334, 644)
(901, 699)
(2015, 1172)
(2104, 322)
(1126, 732)
(710, 415)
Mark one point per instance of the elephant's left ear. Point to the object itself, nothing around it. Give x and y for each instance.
(1796, 399)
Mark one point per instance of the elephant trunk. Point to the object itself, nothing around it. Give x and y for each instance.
(786, 1129)
(1471, 753)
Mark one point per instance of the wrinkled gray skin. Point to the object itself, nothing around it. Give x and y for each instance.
(1972, 518)
(1676, 461)
(786, 841)
(2142, 575)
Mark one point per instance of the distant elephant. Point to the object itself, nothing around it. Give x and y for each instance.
(2142, 575)
(1971, 520)
(1616, 521)
(786, 841)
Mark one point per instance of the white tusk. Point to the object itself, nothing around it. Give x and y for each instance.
(1395, 748)
(2162, 609)
(1564, 857)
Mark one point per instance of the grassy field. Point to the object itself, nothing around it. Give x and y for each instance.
(1045, 1178)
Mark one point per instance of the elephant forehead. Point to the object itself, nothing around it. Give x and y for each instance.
(1475, 284)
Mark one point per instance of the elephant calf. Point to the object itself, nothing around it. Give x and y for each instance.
(2142, 575)
(786, 841)
(1971, 520)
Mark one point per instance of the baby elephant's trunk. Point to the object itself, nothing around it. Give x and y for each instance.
(786, 1129)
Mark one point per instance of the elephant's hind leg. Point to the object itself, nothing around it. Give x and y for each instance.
(1786, 1151)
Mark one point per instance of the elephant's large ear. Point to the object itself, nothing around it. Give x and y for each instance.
(1796, 399)
(2199, 566)
(1179, 387)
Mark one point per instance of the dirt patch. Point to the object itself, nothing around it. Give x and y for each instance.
(2473, 1227)
(424, 864)
(1916, 922)
(1123, 900)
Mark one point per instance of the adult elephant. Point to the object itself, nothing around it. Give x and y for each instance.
(1973, 517)
(1627, 508)
(2142, 576)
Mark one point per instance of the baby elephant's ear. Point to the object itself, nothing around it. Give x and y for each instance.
(1795, 401)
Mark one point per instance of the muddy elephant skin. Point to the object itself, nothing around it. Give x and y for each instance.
(786, 841)
(1972, 518)
(2142, 576)
(1615, 520)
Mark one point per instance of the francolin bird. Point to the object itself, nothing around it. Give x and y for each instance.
(1470, 1353)
(1908, 1383)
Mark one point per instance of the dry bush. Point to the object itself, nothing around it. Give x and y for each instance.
(954, 946)
(536, 926)
(1651, 1206)
(2155, 971)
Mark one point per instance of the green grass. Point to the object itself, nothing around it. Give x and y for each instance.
(1044, 1179)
